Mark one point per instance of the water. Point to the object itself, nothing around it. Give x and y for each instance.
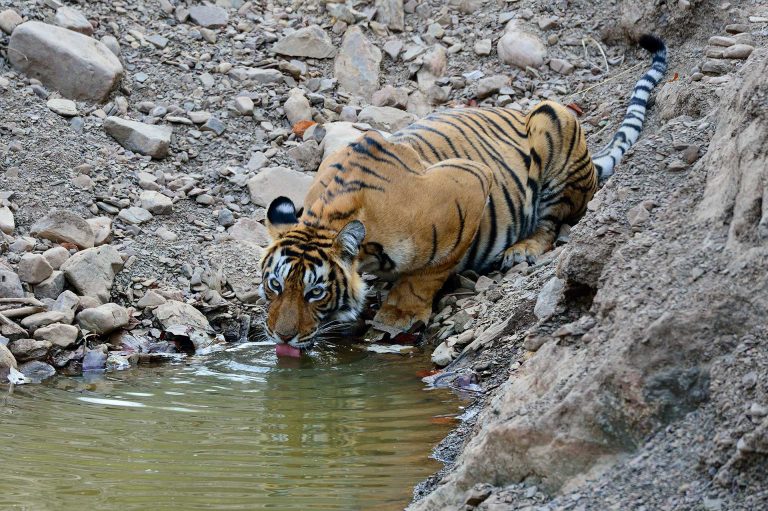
(342, 429)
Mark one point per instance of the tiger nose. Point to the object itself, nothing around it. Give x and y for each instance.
(285, 337)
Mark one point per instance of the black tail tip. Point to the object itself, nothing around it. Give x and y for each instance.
(652, 43)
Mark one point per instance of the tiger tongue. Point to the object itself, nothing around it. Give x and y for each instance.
(286, 350)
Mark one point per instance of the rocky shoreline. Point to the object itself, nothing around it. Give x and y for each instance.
(625, 369)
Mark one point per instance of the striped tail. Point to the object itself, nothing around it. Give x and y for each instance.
(606, 160)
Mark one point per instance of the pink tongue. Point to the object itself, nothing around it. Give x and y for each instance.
(286, 350)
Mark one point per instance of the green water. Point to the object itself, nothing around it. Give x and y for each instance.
(342, 429)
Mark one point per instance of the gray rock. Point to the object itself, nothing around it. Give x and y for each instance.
(297, 107)
(56, 256)
(29, 349)
(311, 41)
(36, 371)
(10, 284)
(76, 65)
(151, 299)
(215, 125)
(520, 48)
(391, 14)
(7, 220)
(307, 155)
(208, 16)
(64, 226)
(140, 138)
(738, 51)
(483, 47)
(117, 362)
(58, 334)
(549, 297)
(248, 229)
(561, 66)
(262, 76)
(33, 268)
(51, 287)
(63, 107)
(94, 360)
(434, 64)
(390, 96)
(72, 19)
(244, 105)
(6, 359)
(101, 226)
(111, 43)
(156, 203)
(393, 47)
(92, 271)
(443, 355)
(358, 64)
(9, 20)
(104, 318)
(41, 319)
(273, 182)
(134, 215)
(491, 85)
(386, 118)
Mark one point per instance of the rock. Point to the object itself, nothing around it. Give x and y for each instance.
(7, 221)
(63, 107)
(483, 284)
(338, 135)
(92, 271)
(418, 104)
(738, 51)
(390, 96)
(175, 313)
(101, 226)
(386, 118)
(33, 268)
(41, 319)
(391, 14)
(638, 215)
(117, 362)
(715, 67)
(36, 371)
(9, 20)
(483, 47)
(29, 349)
(94, 360)
(10, 284)
(312, 42)
(140, 138)
(76, 65)
(111, 43)
(7, 360)
(156, 203)
(491, 85)
(244, 278)
(72, 19)
(521, 49)
(434, 64)
(215, 125)
(297, 107)
(58, 334)
(51, 287)
(244, 105)
(64, 226)
(263, 76)
(248, 229)
(134, 215)
(561, 66)
(103, 319)
(307, 155)
(357, 65)
(549, 296)
(443, 355)
(393, 47)
(273, 182)
(719, 40)
(151, 299)
(208, 16)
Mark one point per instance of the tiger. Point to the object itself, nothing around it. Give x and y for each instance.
(462, 189)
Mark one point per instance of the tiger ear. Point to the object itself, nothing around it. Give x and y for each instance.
(349, 239)
(281, 217)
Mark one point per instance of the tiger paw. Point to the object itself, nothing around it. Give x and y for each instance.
(399, 318)
(522, 251)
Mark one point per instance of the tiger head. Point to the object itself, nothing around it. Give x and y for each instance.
(309, 277)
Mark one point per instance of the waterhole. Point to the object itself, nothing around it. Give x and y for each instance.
(341, 429)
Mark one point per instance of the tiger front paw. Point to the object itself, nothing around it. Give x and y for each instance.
(402, 319)
(526, 251)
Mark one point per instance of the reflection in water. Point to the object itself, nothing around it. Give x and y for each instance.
(239, 430)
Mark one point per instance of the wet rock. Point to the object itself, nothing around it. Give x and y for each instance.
(248, 229)
(72, 19)
(94, 360)
(92, 271)
(548, 299)
(103, 319)
(138, 137)
(10, 284)
(208, 16)
(117, 362)
(51, 287)
(58, 334)
(358, 64)
(443, 355)
(29, 349)
(9, 20)
(156, 203)
(63, 107)
(386, 118)
(520, 48)
(36, 371)
(391, 14)
(312, 42)
(274, 182)
(76, 65)
(64, 226)
(297, 107)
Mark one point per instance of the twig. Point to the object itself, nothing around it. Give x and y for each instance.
(27, 301)
(589, 39)
(22, 312)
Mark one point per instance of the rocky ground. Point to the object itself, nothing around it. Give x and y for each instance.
(626, 369)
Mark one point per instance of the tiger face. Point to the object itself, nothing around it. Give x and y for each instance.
(309, 277)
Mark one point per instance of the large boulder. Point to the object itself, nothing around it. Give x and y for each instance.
(520, 48)
(274, 182)
(358, 64)
(139, 137)
(76, 65)
(93, 271)
(103, 319)
(311, 41)
(64, 226)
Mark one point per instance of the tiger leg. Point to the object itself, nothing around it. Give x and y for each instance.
(410, 300)
(530, 249)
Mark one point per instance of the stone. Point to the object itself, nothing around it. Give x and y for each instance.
(418, 104)
(63, 107)
(33, 268)
(483, 47)
(358, 64)
(561, 66)
(134, 215)
(68, 302)
(307, 155)
(274, 182)
(248, 229)
(386, 118)
(521, 49)
(491, 85)
(7, 221)
(111, 42)
(311, 42)
(393, 47)
(338, 135)
(104, 318)
(244, 105)
(638, 215)
(434, 64)
(146, 139)
(51, 287)
(36, 371)
(72, 19)
(390, 96)
(64, 226)
(58, 334)
(443, 355)
(208, 16)
(9, 20)
(715, 67)
(10, 284)
(257, 161)
(150, 300)
(173, 312)
(297, 107)
(41, 319)
(94, 360)
(156, 203)
(157, 40)
(262, 76)
(76, 65)
(549, 297)
(738, 51)
(215, 125)
(719, 40)
(101, 226)
(391, 14)
(92, 271)
(29, 349)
